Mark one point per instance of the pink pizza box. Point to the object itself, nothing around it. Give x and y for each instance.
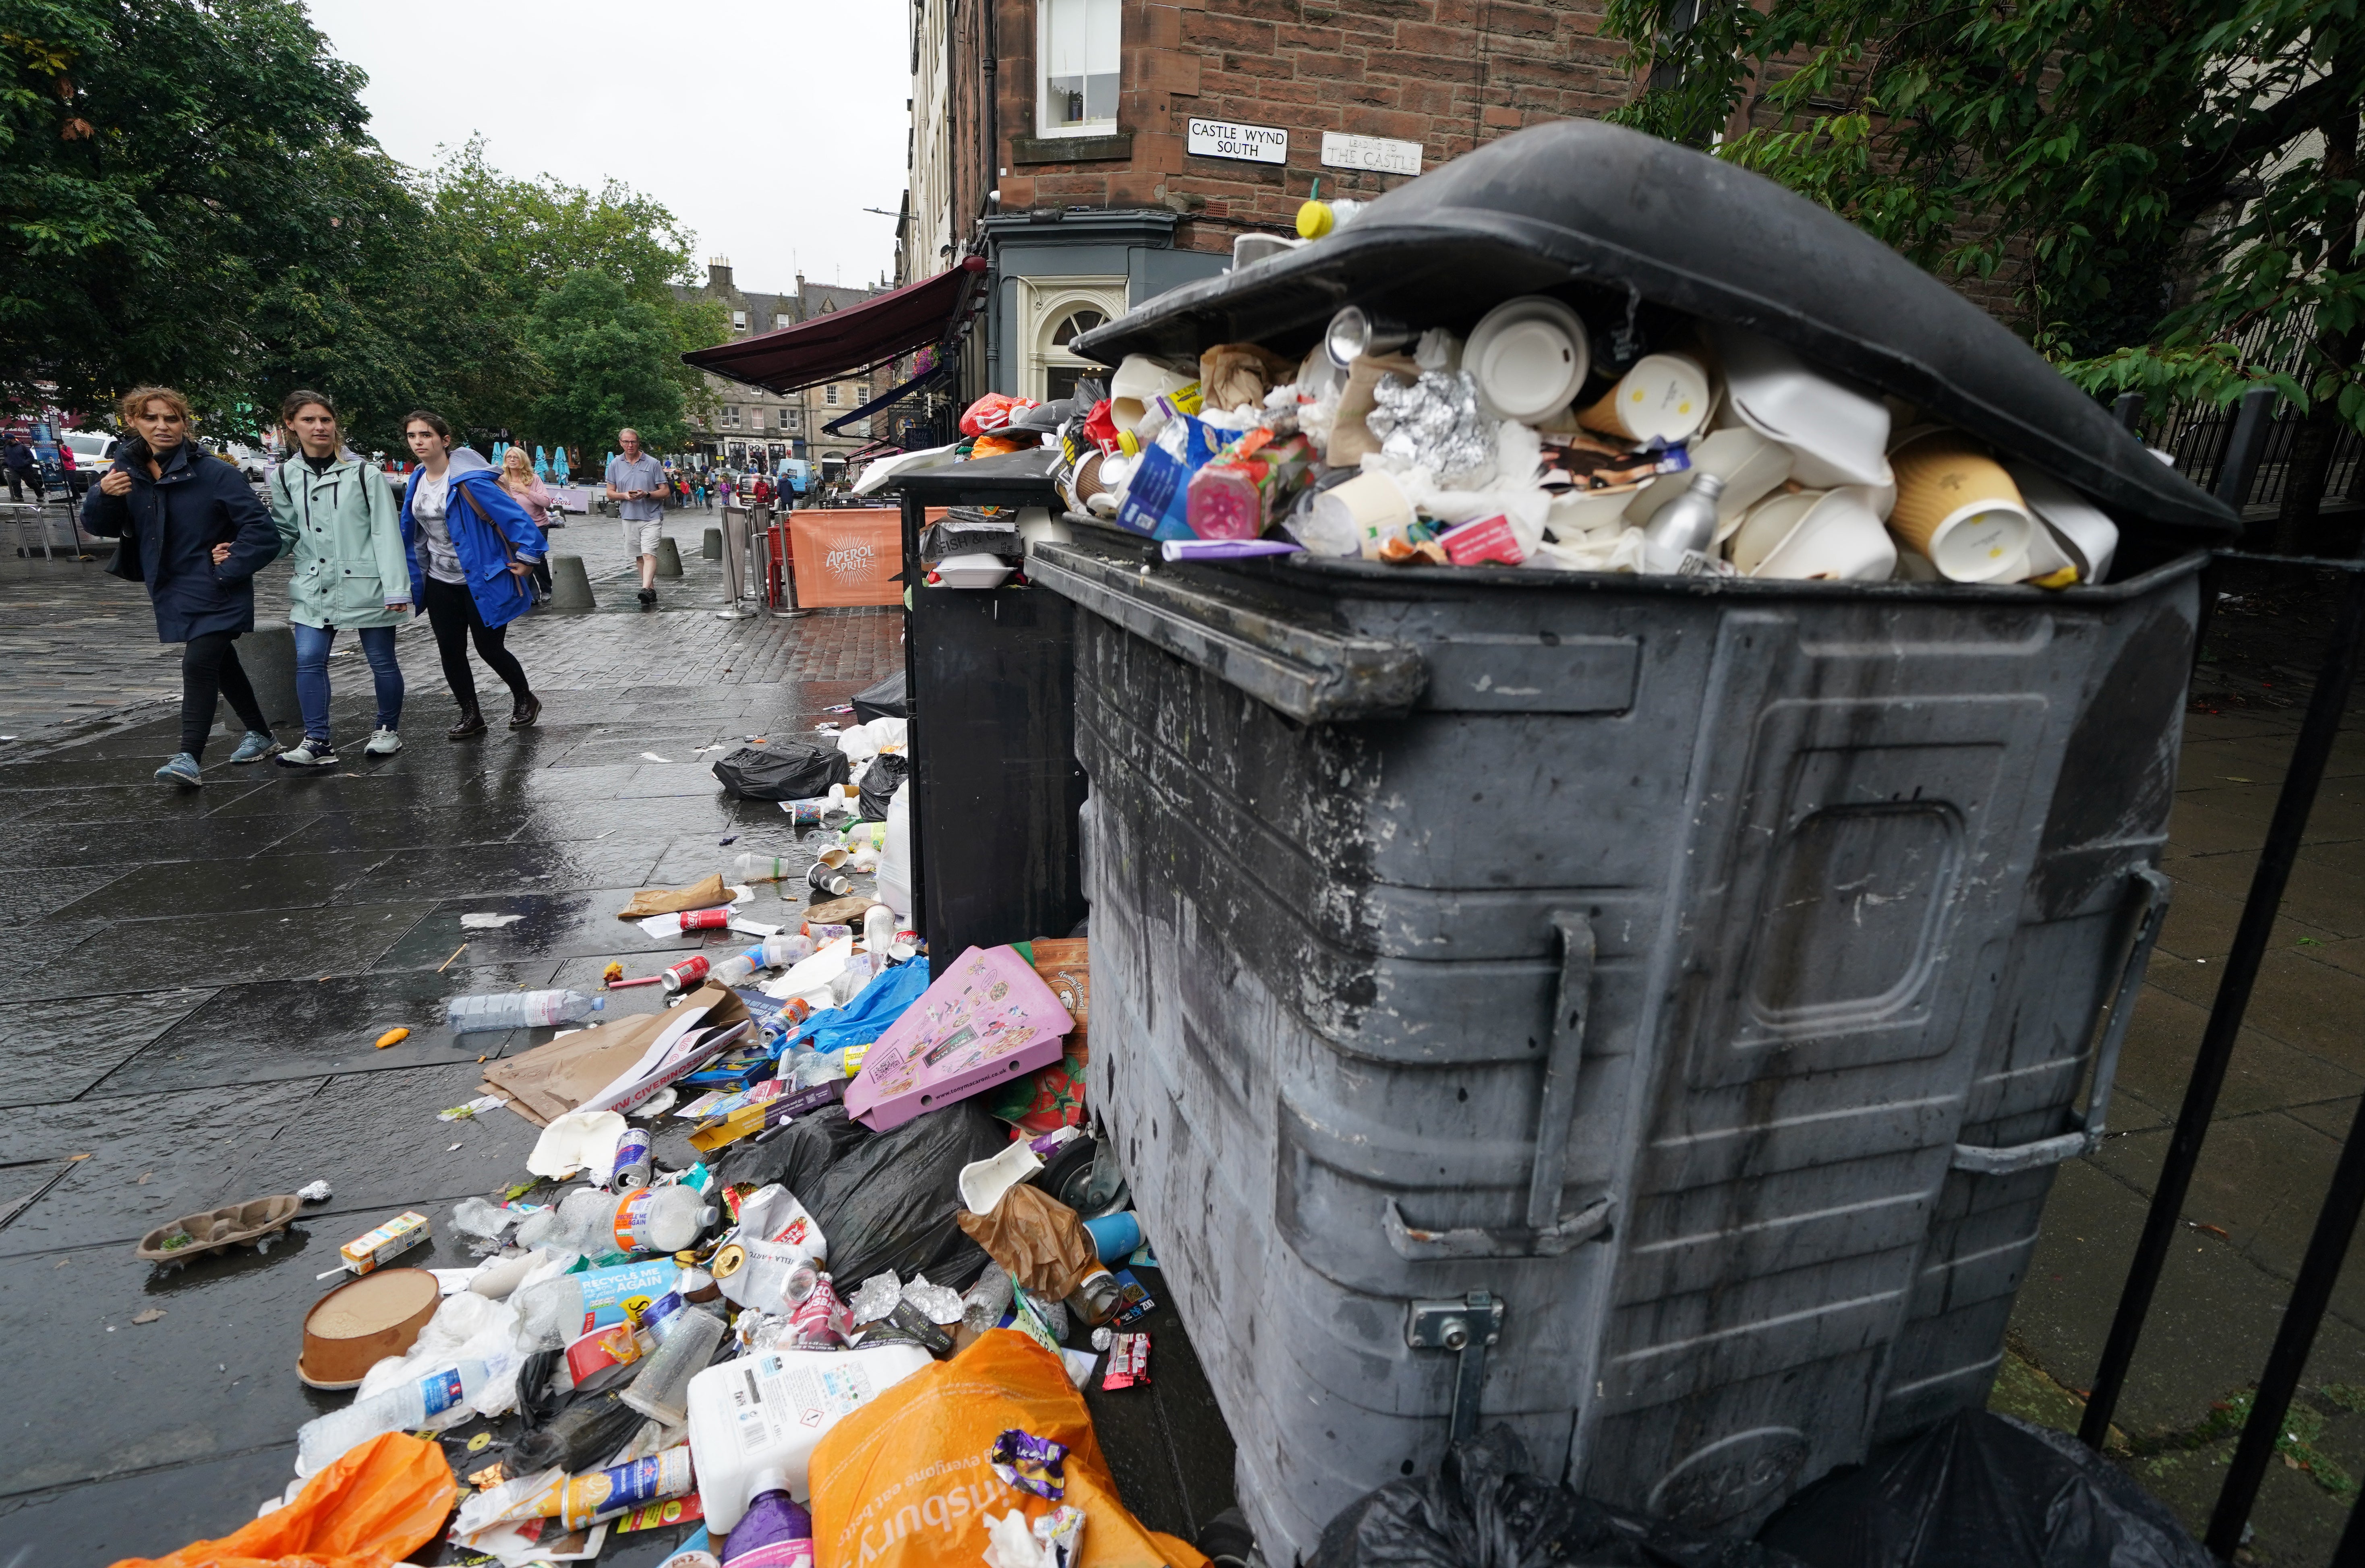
(987, 1018)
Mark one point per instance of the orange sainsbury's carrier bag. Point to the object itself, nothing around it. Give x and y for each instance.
(373, 1507)
(905, 1481)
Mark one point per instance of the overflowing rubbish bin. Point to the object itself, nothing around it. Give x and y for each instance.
(996, 787)
(1642, 1008)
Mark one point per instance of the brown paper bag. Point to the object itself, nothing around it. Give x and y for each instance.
(707, 894)
(1039, 1240)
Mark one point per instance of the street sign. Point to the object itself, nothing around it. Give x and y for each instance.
(1249, 143)
(1379, 155)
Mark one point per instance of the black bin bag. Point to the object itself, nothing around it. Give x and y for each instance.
(795, 770)
(882, 700)
(1984, 1491)
(887, 770)
(888, 1200)
(1484, 1508)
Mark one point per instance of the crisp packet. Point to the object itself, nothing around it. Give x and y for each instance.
(1128, 1361)
(1031, 1464)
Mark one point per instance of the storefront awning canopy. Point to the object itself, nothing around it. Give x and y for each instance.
(839, 342)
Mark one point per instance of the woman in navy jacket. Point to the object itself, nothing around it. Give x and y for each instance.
(471, 548)
(194, 534)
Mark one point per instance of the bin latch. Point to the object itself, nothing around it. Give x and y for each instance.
(1466, 1328)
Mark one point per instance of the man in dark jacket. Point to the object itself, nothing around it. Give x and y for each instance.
(24, 468)
(193, 531)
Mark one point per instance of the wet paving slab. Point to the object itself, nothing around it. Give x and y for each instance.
(192, 987)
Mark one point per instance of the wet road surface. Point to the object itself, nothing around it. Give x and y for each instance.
(192, 984)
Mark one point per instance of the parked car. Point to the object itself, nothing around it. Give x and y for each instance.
(89, 453)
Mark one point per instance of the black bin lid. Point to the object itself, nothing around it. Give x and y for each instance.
(1581, 208)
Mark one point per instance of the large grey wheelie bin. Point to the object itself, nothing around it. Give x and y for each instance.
(1645, 1011)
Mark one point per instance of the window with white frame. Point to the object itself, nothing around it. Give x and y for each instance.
(1058, 312)
(782, 320)
(738, 320)
(755, 419)
(791, 421)
(1076, 60)
(829, 395)
(731, 416)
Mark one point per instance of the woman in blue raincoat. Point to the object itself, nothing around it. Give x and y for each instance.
(471, 548)
(193, 531)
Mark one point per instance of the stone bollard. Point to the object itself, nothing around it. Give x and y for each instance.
(669, 556)
(711, 546)
(570, 585)
(267, 654)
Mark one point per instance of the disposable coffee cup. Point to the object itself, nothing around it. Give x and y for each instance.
(1956, 506)
(1664, 399)
(1369, 508)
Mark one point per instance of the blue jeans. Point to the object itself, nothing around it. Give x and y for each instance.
(312, 645)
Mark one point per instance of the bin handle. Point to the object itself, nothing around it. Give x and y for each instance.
(1548, 1233)
(2151, 890)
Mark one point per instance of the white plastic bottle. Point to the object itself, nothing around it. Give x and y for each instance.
(518, 1010)
(805, 1392)
(761, 868)
(646, 1219)
(895, 867)
(414, 1404)
(788, 947)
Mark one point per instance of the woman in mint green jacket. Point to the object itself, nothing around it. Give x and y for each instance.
(339, 521)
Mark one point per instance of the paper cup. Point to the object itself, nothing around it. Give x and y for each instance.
(1530, 357)
(1749, 465)
(2081, 531)
(1840, 539)
(1767, 524)
(1957, 506)
(1370, 508)
(1664, 399)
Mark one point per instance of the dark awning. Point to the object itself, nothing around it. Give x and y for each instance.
(839, 342)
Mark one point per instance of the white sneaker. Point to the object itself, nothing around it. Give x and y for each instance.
(311, 753)
(382, 743)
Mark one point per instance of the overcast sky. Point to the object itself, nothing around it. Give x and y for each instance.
(767, 127)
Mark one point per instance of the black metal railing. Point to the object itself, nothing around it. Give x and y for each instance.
(2234, 462)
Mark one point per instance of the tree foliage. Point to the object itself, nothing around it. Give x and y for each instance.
(189, 194)
(2171, 189)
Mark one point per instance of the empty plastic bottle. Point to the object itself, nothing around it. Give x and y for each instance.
(647, 1219)
(663, 1383)
(788, 947)
(518, 1010)
(407, 1408)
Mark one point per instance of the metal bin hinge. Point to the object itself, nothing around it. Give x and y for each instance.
(1466, 1328)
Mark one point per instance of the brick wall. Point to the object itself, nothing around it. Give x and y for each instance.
(1447, 73)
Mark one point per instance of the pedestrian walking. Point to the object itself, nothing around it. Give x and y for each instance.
(24, 466)
(193, 533)
(762, 490)
(527, 490)
(338, 521)
(471, 548)
(636, 484)
(698, 491)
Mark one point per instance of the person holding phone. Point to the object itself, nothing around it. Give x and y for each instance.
(471, 548)
(637, 483)
(193, 533)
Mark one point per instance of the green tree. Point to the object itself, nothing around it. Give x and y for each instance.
(2161, 183)
(165, 167)
(610, 359)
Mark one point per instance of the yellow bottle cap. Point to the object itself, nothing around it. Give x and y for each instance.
(1315, 219)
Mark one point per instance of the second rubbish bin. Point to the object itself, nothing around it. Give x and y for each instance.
(1646, 1011)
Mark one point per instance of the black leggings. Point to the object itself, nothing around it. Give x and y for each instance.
(209, 672)
(451, 611)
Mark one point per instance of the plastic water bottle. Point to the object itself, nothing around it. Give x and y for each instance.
(646, 1219)
(788, 947)
(738, 968)
(518, 1010)
(895, 865)
(322, 1441)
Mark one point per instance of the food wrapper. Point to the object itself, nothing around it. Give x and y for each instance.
(876, 1297)
(939, 1304)
(1128, 1361)
(1031, 1464)
(1435, 423)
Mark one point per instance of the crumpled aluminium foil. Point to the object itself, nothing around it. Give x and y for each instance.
(1435, 423)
